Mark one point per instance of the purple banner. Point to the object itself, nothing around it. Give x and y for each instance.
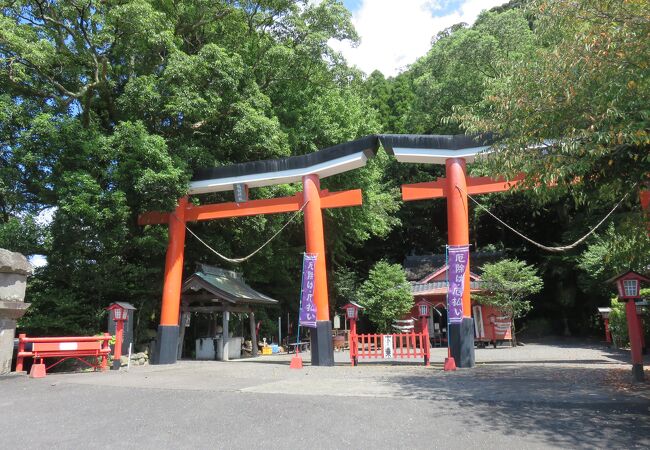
(458, 258)
(307, 306)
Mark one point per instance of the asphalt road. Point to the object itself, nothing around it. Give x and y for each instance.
(542, 396)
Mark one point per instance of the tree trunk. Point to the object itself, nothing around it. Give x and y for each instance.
(565, 319)
(513, 341)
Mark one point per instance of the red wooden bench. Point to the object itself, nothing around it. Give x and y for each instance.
(63, 348)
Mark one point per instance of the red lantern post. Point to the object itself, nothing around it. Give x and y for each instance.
(120, 314)
(423, 309)
(628, 286)
(352, 314)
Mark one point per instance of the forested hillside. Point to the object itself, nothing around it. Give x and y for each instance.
(107, 107)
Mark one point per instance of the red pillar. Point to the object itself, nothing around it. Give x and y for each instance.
(315, 243)
(458, 217)
(167, 340)
(119, 338)
(352, 341)
(459, 336)
(636, 345)
(321, 348)
(608, 334)
(424, 325)
(171, 301)
(644, 196)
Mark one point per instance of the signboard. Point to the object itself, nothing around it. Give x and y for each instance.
(241, 192)
(307, 306)
(458, 261)
(387, 346)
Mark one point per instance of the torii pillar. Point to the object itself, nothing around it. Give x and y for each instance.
(322, 349)
(455, 188)
(316, 200)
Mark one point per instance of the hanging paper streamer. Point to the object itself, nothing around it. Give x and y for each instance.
(458, 259)
(307, 306)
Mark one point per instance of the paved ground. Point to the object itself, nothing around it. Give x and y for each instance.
(547, 395)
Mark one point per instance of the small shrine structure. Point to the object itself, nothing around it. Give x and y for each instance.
(213, 290)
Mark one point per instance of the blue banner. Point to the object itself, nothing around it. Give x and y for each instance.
(307, 306)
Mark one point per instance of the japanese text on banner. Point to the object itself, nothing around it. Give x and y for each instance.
(458, 260)
(307, 305)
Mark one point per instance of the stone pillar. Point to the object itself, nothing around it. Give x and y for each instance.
(14, 270)
(225, 336)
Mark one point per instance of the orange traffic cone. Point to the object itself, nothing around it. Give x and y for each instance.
(296, 362)
(450, 364)
(37, 371)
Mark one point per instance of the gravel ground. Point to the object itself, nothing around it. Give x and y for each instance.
(554, 394)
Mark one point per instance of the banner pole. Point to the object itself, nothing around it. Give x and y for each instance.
(447, 300)
(300, 309)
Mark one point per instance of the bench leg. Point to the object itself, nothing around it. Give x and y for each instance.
(38, 370)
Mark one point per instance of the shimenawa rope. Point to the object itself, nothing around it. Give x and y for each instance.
(542, 246)
(245, 258)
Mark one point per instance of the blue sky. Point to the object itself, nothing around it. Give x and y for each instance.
(394, 33)
(439, 8)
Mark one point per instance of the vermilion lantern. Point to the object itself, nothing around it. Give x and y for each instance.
(352, 310)
(120, 310)
(629, 284)
(120, 314)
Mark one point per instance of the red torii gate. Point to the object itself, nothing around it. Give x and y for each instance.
(455, 188)
(453, 152)
(308, 169)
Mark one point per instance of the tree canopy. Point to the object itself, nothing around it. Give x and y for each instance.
(385, 295)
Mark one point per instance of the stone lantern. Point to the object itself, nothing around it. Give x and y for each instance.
(14, 270)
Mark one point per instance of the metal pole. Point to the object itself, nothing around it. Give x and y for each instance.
(280, 330)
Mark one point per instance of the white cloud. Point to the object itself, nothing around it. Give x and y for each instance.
(395, 33)
(37, 260)
(46, 216)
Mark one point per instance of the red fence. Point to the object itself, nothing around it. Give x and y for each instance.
(402, 345)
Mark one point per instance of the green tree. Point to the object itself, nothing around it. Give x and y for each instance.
(614, 251)
(574, 114)
(385, 295)
(508, 285)
(461, 61)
